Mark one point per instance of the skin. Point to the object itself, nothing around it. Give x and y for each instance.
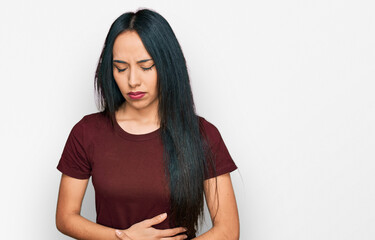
(138, 117)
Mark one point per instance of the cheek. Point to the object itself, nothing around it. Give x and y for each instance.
(119, 83)
(153, 80)
(116, 78)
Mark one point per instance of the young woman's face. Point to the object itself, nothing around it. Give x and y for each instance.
(134, 70)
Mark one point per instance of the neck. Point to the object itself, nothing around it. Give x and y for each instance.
(147, 115)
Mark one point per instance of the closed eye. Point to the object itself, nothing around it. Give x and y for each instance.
(120, 70)
(144, 69)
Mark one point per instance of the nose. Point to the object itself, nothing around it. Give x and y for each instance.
(133, 79)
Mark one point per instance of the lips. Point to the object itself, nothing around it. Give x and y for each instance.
(135, 93)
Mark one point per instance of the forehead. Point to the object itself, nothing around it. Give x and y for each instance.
(129, 46)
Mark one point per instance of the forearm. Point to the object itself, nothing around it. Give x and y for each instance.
(217, 233)
(81, 228)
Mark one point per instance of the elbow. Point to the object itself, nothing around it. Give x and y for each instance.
(236, 236)
(230, 232)
(232, 235)
(236, 233)
(61, 222)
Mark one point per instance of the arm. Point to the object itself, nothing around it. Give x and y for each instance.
(226, 224)
(68, 218)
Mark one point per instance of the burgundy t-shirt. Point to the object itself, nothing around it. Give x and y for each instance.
(127, 169)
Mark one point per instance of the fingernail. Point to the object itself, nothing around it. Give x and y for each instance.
(118, 232)
(164, 214)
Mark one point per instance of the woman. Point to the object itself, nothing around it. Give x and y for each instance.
(147, 151)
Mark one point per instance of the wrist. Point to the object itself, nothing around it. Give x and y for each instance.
(127, 234)
(122, 234)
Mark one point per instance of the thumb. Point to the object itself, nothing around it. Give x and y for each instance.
(157, 219)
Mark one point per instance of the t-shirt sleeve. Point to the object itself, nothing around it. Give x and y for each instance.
(74, 160)
(221, 156)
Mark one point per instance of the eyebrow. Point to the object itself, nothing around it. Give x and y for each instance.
(140, 61)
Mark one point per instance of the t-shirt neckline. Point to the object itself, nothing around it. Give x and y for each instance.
(136, 137)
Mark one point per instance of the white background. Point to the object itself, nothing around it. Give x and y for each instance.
(289, 84)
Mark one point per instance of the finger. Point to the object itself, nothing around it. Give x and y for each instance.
(171, 231)
(155, 220)
(179, 237)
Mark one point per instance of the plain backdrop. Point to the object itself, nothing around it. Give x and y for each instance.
(289, 84)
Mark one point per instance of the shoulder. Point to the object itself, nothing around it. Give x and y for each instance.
(209, 130)
(89, 124)
(93, 117)
(92, 120)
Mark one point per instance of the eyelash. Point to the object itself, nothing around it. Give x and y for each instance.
(144, 69)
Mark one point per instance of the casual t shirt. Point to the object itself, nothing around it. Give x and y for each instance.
(127, 169)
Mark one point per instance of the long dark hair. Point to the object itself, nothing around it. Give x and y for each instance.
(187, 153)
